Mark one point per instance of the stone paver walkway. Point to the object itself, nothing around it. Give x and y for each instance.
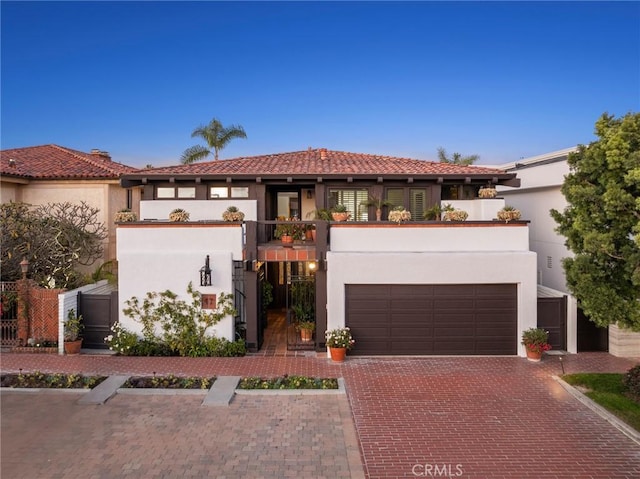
(467, 417)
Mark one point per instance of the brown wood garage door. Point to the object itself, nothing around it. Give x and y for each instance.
(432, 319)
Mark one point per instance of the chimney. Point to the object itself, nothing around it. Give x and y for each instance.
(101, 154)
(323, 153)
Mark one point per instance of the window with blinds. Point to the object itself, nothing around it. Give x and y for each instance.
(413, 199)
(352, 199)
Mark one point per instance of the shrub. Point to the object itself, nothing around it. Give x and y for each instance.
(631, 382)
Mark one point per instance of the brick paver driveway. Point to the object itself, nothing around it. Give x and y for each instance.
(484, 417)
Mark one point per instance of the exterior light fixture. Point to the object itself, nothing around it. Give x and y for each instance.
(313, 266)
(205, 273)
(24, 267)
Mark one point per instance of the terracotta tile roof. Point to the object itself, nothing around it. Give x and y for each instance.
(56, 162)
(319, 162)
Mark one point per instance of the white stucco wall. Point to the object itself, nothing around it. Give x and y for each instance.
(199, 210)
(433, 255)
(479, 209)
(538, 194)
(407, 238)
(156, 258)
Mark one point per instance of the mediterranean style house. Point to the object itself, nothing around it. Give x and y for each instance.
(44, 174)
(541, 179)
(423, 287)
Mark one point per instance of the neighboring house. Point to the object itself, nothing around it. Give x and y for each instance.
(422, 287)
(541, 180)
(50, 174)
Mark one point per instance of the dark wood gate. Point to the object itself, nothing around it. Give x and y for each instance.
(99, 312)
(552, 316)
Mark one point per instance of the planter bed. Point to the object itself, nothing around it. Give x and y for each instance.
(168, 382)
(288, 382)
(38, 380)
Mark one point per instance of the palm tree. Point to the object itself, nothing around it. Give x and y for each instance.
(216, 136)
(456, 158)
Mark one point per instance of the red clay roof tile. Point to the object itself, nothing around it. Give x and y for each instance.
(56, 162)
(319, 162)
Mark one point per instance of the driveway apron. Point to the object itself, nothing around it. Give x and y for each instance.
(467, 417)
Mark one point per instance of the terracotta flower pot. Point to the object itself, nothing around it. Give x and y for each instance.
(72, 347)
(287, 241)
(535, 356)
(338, 354)
(306, 335)
(340, 216)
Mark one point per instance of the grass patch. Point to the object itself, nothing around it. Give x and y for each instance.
(288, 382)
(46, 380)
(607, 389)
(168, 382)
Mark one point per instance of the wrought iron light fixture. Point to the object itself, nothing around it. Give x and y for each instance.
(205, 273)
(24, 267)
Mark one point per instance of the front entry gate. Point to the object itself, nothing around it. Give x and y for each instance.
(301, 312)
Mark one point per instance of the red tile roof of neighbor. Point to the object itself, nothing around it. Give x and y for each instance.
(56, 162)
(319, 161)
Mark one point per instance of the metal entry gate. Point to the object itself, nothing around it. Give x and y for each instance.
(301, 312)
(9, 314)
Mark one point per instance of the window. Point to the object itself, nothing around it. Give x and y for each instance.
(165, 192)
(219, 192)
(351, 198)
(187, 192)
(170, 192)
(216, 192)
(415, 203)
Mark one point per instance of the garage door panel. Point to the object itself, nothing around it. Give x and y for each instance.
(433, 319)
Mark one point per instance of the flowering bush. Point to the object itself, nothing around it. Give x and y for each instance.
(121, 341)
(399, 214)
(535, 339)
(339, 338)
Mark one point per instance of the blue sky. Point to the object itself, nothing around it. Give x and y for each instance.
(504, 80)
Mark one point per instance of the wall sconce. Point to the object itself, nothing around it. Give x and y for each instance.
(24, 267)
(205, 273)
(313, 266)
(309, 194)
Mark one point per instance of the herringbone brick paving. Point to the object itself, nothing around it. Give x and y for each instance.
(468, 417)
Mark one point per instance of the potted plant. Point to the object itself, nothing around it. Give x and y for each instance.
(179, 215)
(232, 213)
(125, 215)
(535, 341)
(509, 213)
(340, 213)
(306, 329)
(72, 327)
(378, 204)
(455, 215)
(339, 341)
(288, 231)
(488, 191)
(399, 214)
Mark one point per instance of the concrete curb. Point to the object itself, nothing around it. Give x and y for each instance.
(602, 412)
(103, 391)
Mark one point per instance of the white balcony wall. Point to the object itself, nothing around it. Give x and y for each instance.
(157, 258)
(414, 238)
(478, 209)
(199, 210)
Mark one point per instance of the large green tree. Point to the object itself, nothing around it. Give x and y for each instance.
(456, 158)
(217, 137)
(602, 223)
(56, 239)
